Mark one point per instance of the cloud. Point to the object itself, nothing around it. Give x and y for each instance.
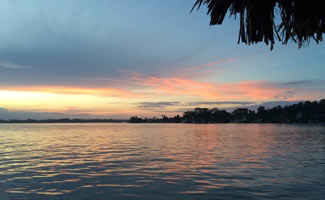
(199, 71)
(3, 110)
(156, 105)
(310, 84)
(267, 104)
(208, 65)
(220, 103)
(214, 91)
(65, 47)
(163, 105)
(71, 113)
(300, 82)
(206, 92)
(160, 105)
(10, 65)
(224, 91)
(176, 86)
(22, 115)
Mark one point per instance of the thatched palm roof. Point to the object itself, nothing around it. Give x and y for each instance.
(300, 20)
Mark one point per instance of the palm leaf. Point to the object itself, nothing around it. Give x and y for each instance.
(300, 20)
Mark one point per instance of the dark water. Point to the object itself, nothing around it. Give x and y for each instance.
(161, 161)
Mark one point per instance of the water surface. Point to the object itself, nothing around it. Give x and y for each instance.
(161, 161)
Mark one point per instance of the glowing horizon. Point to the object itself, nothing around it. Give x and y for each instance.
(90, 61)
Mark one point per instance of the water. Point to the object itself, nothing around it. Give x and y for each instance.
(161, 161)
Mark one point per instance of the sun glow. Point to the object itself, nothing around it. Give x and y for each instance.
(33, 100)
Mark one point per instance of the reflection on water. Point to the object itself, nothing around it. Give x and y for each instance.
(162, 161)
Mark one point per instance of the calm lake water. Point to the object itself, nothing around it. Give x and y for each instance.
(161, 161)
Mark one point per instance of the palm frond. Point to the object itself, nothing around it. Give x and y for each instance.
(301, 20)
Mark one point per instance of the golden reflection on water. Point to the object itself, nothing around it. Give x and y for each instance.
(133, 160)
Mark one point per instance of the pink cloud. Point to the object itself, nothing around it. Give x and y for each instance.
(245, 90)
(254, 90)
(177, 86)
(146, 87)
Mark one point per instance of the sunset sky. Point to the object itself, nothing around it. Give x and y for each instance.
(116, 59)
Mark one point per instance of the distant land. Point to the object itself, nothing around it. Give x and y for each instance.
(65, 120)
(303, 112)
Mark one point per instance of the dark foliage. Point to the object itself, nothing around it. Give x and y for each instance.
(303, 112)
(301, 20)
(204, 115)
(164, 119)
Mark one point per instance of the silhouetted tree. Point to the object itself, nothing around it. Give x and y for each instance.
(136, 119)
(240, 115)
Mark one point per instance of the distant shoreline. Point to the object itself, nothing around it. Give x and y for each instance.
(62, 121)
(301, 113)
(127, 122)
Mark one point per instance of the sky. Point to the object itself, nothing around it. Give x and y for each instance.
(116, 59)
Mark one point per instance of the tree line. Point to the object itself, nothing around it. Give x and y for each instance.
(303, 112)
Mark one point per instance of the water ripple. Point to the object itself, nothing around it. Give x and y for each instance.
(162, 161)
